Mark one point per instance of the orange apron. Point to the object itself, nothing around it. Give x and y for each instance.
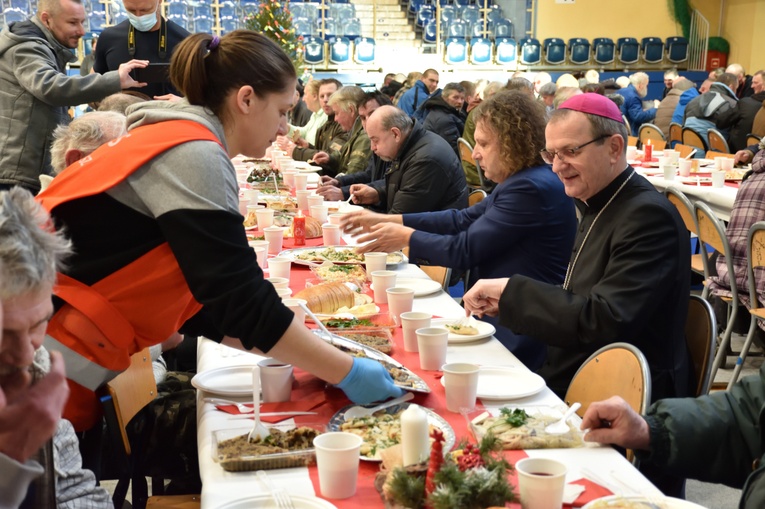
(139, 305)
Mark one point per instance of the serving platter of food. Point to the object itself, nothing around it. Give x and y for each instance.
(402, 376)
(329, 299)
(640, 502)
(335, 254)
(524, 427)
(383, 429)
(286, 446)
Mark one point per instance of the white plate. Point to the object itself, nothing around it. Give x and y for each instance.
(485, 330)
(666, 502)
(321, 316)
(421, 287)
(309, 169)
(394, 259)
(228, 381)
(507, 383)
(266, 501)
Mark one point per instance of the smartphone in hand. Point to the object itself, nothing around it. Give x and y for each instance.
(153, 73)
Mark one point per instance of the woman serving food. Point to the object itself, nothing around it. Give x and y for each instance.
(526, 226)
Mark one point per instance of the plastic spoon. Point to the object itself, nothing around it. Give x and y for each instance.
(360, 411)
(561, 426)
(259, 431)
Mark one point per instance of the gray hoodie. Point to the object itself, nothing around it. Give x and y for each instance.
(34, 98)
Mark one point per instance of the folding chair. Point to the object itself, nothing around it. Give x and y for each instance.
(675, 134)
(752, 139)
(700, 337)
(476, 197)
(717, 141)
(632, 141)
(694, 139)
(687, 212)
(711, 154)
(466, 154)
(685, 150)
(653, 133)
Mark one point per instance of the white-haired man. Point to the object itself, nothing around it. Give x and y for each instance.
(744, 87)
(84, 135)
(669, 80)
(633, 95)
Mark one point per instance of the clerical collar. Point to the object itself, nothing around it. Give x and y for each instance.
(597, 202)
(162, 44)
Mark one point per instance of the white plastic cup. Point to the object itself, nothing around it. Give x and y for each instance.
(431, 342)
(375, 261)
(631, 153)
(319, 212)
(335, 218)
(461, 385)
(727, 163)
(315, 199)
(243, 202)
(254, 208)
(294, 305)
(279, 282)
(541, 482)
(275, 237)
(289, 177)
(685, 167)
(283, 293)
(663, 161)
(265, 218)
(252, 195)
(400, 300)
(260, 252)
(301, 181)
(719, 162)
(337, 459)
(275, 380)
(302, 199)
(718, 178)
(259, 243)
(280, 266)
(382, 280)
(669, 172)
(410, 322)
(673, 155)
(331, 234)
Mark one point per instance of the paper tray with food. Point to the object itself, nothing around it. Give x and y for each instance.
(524, 427)
(287, 446)
(375, 322)
(329, 272)
(333, 300)
(402, 376)
(337, 255)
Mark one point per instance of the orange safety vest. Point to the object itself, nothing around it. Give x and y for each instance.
(139, 305)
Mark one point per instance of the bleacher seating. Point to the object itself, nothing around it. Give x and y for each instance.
(429, 34)
(677, 49)
(10, 15)
(628, 49)
(555, 50)
(480, 51)
(470, 14)
(653, 50)
(303, 27)
(448, 15)
(306, 10)
(352, 29)
(579, 51)
(604, 50)
(364, 50)
(503, 28)
(425, 14)
(339, 50)
(456, 50)
(457, 29)
(531, 51)
(414, 7)
(342, 12)
(505, 51)
(313, 50)
(478, 29)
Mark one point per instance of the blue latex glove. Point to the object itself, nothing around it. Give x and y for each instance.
(368, 381)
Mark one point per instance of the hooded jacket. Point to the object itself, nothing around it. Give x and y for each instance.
(747, 108)
(443, 119)
(34, 98)
(414, 97)
(666, 109)
(714, 110)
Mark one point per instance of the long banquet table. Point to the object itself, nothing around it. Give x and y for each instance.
(221, 487)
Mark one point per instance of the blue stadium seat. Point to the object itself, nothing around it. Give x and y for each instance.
(478, 29)
(352, 29)
(470, 14)
(503, 28)
(309, 11)
(531, 51)
(203, 24)
(425, 14)
(342, 1)
(429, 33)
(456, 51)
(229, 25)
(505, 51)
(118, 17)
(313, 50)
(555, 50)
(448, 14)
(443, 3)
(248, 7)
(653, 50)
(303, 26)
(11, 15)
(364, 50)
(628, 49)
(342, 12)
(177, 13)
(457, 29)
(604, 50)
(330, 28)
(579, 51)
(226, 11)
(462, 3)
(19, 5)
(494, 14)
(677, 49)
(339, 50)
(203, 11)
(480, 51)
(414, 7)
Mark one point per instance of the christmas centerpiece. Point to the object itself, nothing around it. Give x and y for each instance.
(274, 20)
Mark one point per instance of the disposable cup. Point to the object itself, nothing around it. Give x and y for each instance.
(375, 261)
(337, 459)
(663, 161)
(718, 178)
(541, 482)
(315, 199)
(252, 195)
(260, 252)
(265, 218)
(259, 243)
(283, 293)
(294, 305)
(280, 266)
(301, 181)
(275, 237)
(669, 172)
(631, 153)
(382, 280)
(461, 385)
(431, 342)
(718, 162)
(685, 167)
(400, 300)
(727, 164)
(254, 208)
(319, 212)
(243, 202)
(279, 282)
(673, 155)
(335, 218)
(302, 199)
(275, 380)
(410, 322)
(289, 177)
(331, 234)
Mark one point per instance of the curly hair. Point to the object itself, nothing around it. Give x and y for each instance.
(518, 122)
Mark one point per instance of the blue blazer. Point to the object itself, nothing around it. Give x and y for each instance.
(526, 226)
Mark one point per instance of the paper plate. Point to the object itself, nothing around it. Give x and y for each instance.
(507, 383)
(634, 502)
(228, 381)
(485, 330)
(421, 287)
(267, 501)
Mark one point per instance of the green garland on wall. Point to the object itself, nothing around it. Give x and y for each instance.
(680, 10)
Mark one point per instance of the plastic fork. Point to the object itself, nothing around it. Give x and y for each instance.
(561, 425)
(282, 499)
(259, 431)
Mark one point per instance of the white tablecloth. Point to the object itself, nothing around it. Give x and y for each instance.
(720, 200)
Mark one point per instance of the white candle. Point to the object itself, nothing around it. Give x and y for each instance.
(415, 442)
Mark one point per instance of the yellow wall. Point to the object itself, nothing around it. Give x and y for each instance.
(744, 28)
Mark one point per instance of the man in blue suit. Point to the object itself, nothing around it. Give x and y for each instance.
(633, 102)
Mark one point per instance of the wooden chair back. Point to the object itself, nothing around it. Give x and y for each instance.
(694, 139)
(717, 141)
(752, 139)
(174, 502)
(632, 141)
(684, 150)
(701, 339)
(687, 212)
(439, 274)
(711, 154)
(466, 154)
(476, 197)
(675, 133)
(653, 133)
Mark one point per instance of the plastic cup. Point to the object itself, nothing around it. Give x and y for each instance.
(301, 181)
(335, 218)
(252, 195)
(410, 322)
(254, 208)
(289, 177)
(431, 342)
(673, 155)
(461, 384)
(718, 178)
(260, 252)
(243, 202)
(541, 482)
(685, 167)
(400, 300)
(337, 459)
(319, 212)
(275, 380)
(258, 243)
(265, 218)
(275, 237)
(718, 162)
(375, 261)
(283, 293)
(315, 199)
(302, 199)
(631, 153)
(331, 234)
(294, 305)
(669, 172)
(727, 164)
(280, 266)
(279, 282)
(382, 280)
(663, 161)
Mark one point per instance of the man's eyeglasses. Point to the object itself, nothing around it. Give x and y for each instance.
(567, 153)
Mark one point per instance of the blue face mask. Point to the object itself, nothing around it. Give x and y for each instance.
(143, 23)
